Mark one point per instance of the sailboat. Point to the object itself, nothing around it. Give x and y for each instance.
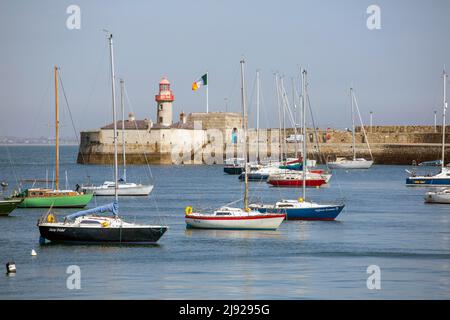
(236, 218)
(441, 179)
(264, 170)
(354, 163)
(56, 198)
(301, 209)
(7, 206)
(302, 175)
(89, 227)
(125, 188)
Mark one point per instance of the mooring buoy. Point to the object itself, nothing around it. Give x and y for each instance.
(10, 267)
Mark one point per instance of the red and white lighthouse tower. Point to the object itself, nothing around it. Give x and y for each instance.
(164, 100)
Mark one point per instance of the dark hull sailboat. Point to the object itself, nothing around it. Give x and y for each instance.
(69, 234)
(88, 226)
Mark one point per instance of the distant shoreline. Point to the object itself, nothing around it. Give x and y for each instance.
(35, 145)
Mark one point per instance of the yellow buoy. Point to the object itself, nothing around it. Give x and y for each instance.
(50, 218)
(301, 199)
(188, 210)
(105, 224)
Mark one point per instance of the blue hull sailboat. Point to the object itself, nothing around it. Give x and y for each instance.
(441, 179)
(301, 209)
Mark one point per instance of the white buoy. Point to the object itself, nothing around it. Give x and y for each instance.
(10, 267)
(33, 253)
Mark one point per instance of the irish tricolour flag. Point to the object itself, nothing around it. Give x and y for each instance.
(203, 81)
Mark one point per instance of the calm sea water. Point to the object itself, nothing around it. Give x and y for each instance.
(384, 224)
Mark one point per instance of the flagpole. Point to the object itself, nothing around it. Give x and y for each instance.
(207, 95)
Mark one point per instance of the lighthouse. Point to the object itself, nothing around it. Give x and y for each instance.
(164, 101)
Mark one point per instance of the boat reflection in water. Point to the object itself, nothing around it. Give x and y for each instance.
(234, 234)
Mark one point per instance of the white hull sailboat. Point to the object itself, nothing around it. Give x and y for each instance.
(357, 163)
(353, 163)
(124, 188)
(236, 218)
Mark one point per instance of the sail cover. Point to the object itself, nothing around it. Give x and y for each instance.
(112, 207)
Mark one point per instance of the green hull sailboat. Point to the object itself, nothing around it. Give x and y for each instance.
(53, 199)
(46, 198)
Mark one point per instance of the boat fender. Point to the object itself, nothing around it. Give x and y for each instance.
(248, 209)
(188, 210)
(50, 218)
(301, 199)
(105, 224)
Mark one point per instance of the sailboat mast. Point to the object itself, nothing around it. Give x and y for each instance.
(257, 117)
(304, 154)
(56, 130)
(244, 115)
(113, 92)
(122, 103)
(280, 147)
(353, 125)
(445, 76)
(283, 103)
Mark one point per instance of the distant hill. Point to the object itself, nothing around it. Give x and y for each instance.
(10, 140)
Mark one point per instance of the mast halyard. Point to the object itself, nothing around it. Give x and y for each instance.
(445, 76)
(56, 130)
(122, 103)
(113, 91)
(244, 115)
(353, 125)
(304, 154)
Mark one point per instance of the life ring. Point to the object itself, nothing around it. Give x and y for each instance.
(50, 218)
(105, 224)
(188, 210)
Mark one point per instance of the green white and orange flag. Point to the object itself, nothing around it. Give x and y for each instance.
(203, 81)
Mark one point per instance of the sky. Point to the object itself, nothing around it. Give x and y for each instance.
(396, 71)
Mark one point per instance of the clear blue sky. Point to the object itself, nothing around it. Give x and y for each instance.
(396, 71)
